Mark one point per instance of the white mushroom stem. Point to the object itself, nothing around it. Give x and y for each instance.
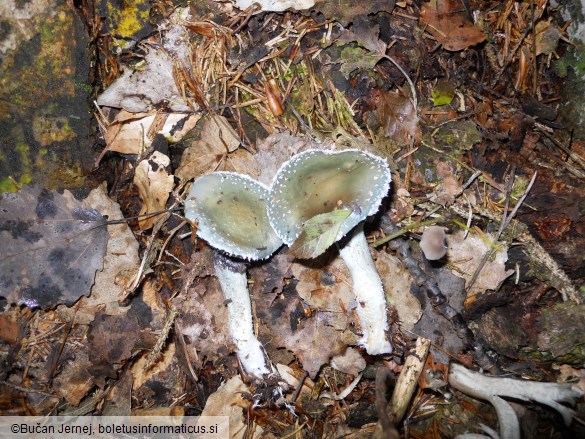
(493, 388)
(234, 284)
(367, 287)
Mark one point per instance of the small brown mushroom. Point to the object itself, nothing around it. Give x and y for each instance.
(433, 243)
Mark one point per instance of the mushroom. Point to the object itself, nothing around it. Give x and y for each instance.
(230, 211)
(432, 243)
(493, 388)
(316, 182)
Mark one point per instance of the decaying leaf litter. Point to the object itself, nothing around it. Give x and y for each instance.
(464, 113)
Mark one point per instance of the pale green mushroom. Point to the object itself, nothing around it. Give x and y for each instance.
(230, 212)
(316, 182)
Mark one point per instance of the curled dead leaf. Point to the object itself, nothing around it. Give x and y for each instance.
(154, 185)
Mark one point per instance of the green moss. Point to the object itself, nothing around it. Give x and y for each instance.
(518, 188)
(354, 57)
(575, 357)
(85, 87)
(561, 336)
(12, 185)
(23, 151)
(7, 185)
(5, 29)
(460, 135)
(574, 59)
(536, 355)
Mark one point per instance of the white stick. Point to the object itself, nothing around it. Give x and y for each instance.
(234, 285)
(492, 388)
(367, 287)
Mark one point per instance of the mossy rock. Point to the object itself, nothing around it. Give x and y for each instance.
(44, 96)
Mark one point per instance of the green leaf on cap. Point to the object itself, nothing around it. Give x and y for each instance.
(318, 234)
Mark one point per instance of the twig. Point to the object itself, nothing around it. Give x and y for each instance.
(171, 234)
(160, 342)
(27, 390)
(520, 201)
(183, 346)
(147, 257)
(410, 83)
(404, 230)
(576, 158)
(299, 388)
(470, 181)
(385, 429)
(509, 185)
(345, 392)
(407, 380)
(512, 54)
(506, 219)
(487, 256)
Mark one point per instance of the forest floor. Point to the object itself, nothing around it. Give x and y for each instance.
(468, 104)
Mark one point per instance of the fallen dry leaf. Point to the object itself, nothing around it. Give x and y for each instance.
(445, 20)
(204, 158)
(446, 191)
(366, 33)
(228, 401)
(119, 399)
(311, 338)
(397, 283)
(51, 246)
(140, 91)
(121, 256)
(270, 278)
(130, 133)
(276, 149)
(9, 326)
(217, 128)
(276, 5)
(350, 362)
(547, 37)
(398, 118)
(203, 322)
(212, 150)
(154, 185)
(112, 338)
(326, 287)
(75, 381)
(465, 255)
(312, 319)
(354, 57)
(345, 11)
(432, 325)
(141, 374)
